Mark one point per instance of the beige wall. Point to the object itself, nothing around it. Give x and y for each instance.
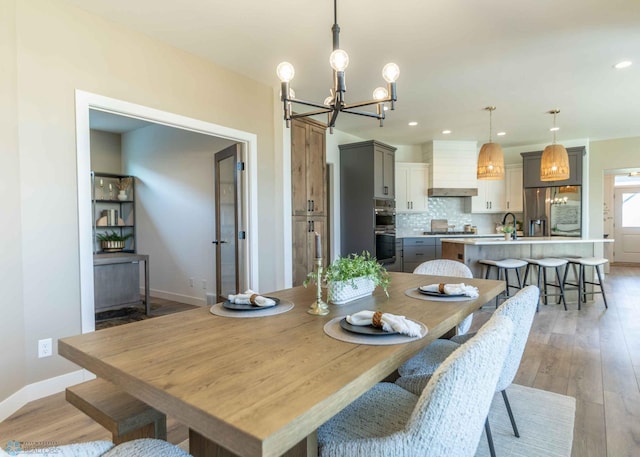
(12, 337)
(59, 49)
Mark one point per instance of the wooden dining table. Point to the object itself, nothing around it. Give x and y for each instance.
(260, 387)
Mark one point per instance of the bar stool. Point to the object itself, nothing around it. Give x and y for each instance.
(583, 262)
(543, 264)
(504, 266)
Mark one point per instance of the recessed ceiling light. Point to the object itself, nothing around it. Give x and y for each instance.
(623, 64)
(446, 132)
(501, 133)
(554, 129)
(413, 123)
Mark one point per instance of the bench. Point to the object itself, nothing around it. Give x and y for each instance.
(126, 417)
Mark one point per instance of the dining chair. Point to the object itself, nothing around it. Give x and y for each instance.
(445, 419)
(144, 447)
(446, 267)
(520, 309)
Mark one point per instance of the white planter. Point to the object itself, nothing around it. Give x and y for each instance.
(341, 292)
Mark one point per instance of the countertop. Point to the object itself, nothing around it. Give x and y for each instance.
(499, 240)
(407, 234)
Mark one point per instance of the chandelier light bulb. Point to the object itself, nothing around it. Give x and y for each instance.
(390, 72)
(285, 72)
(339, 60)
(328, 101)
(380, 93)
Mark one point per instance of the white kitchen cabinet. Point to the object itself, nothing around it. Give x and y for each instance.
(513, 186)
(412, 184)
(491, 196)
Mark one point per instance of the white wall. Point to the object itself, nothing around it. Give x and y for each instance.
(175, 221)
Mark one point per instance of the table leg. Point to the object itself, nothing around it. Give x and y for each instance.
(147, 303)
(199, 446)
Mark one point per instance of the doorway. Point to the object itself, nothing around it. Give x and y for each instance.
(248, 143)
(229, 232)
(627, 224)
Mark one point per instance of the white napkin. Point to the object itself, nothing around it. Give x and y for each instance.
(453, 289)
(390, 322)
(245, 299)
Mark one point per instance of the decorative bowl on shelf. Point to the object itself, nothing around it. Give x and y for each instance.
(112, 246)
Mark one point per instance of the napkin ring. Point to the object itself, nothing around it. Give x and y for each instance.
(441, 288)
(376, 319)
(252, 299)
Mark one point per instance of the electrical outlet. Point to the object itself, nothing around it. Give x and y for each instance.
(204, 284)
(190, 282)
(45, 348)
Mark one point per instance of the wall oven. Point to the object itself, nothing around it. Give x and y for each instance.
(385, 230)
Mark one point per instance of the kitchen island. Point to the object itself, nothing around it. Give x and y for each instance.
(470, 250)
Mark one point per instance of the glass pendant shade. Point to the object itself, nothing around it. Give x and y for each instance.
(554, 163)
(490, 162)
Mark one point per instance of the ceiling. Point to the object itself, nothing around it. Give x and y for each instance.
(455, 58)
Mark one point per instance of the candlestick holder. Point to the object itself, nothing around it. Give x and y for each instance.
(319, 307)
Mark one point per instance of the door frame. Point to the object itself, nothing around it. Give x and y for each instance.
(86, 101)
(617, 221)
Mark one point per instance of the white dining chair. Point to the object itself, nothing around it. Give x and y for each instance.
(446, 267)
(144, 447)
(445, 420)
(521, 309)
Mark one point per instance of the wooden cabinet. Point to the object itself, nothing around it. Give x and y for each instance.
(513, 186)
(304, 230)
(308, 195)
(490, 198)
(412, 187)
(531, 169)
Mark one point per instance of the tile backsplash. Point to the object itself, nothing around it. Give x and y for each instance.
(450, 208)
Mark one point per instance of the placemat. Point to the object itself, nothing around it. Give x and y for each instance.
(283, 307)
(333, 329)
(413, 293)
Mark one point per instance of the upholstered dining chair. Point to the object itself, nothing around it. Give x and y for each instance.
(446, 267)
(445, 420)
(144, 447)
(520, 308)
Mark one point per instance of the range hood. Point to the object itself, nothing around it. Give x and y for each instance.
(452, 170)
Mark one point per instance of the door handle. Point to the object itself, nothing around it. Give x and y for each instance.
(309, 205)
(313, 205)
(386, 190)
(219, 242)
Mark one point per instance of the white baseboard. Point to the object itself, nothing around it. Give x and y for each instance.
(189, 300)
(41, 389)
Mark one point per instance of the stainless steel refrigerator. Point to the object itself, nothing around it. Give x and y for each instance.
(553, 211)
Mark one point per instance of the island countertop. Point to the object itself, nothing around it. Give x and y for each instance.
(527, 240)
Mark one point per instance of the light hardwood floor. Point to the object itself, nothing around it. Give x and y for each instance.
(592, 355)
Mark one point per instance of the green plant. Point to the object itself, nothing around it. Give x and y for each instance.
(113, 236)
(354, 266)
(507, 229)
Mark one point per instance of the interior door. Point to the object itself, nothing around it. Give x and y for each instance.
(229, 233)
(627, 225)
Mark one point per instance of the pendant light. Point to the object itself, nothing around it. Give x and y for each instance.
(554, 163)
(490, 158)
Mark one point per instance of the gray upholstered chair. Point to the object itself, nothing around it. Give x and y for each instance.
(145, 447)
(445, 420)
(445, 267)
(520, 308)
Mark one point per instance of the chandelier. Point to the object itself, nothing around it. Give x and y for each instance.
(335, 103)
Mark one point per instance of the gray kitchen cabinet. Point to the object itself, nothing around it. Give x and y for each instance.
(372, 164)
(418, 250)
(531, 169)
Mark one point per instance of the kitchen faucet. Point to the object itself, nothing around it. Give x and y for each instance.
(504, 221)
